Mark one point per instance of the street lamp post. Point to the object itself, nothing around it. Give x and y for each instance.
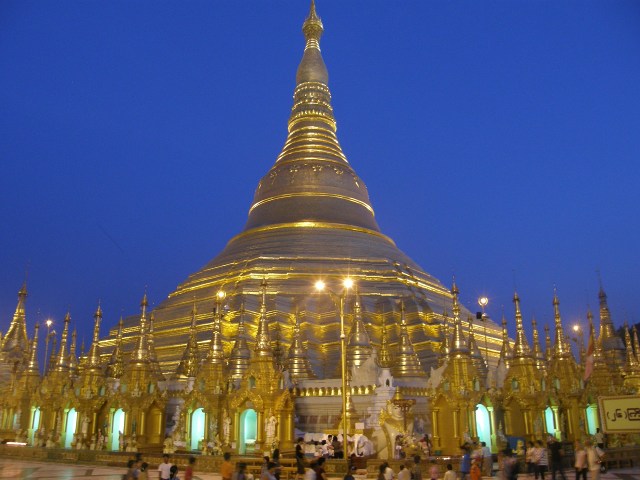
(48, 322)
(347, 284)
(483, 302)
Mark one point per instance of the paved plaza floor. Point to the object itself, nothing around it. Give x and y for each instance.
(20, 469)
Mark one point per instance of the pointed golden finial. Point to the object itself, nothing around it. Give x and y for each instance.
(240, 354)
(407, 362)
(537, 352)
(445, 347)
(61, 364)
(263, 337)
(631, 360)
(384, 358)
(188, 365)
(16, 338)
(312, 67)
(312, 28)
(115, 368)
(455, 292)
(459, 344)
(359, 347)
(297, 360)
(216, 350)
(636, 343)
(32, 367)
(94, 350)
(521, 347)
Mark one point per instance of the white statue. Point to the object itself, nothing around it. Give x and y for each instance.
(226, 427)
(270, 429)
(85, 425)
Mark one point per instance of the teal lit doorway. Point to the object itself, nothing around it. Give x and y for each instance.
(116, 428)
(72, 419)
(248, 431)
(197, 428)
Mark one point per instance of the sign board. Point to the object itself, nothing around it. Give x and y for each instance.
(620, 414)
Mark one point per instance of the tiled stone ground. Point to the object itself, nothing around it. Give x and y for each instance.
(19, 469)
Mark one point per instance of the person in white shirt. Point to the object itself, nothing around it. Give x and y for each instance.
(388, 472)
(449, 474)
(594, 459)
(580, 463)
(404, 473)
(487, 460)
(164, 469)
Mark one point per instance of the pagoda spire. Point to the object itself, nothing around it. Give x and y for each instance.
(61, 363)
(384, 358)
(521, 346)
(240, 353)
(33, 369)
(459, 344)
(52, 358)
(506, 354)
(547, 343)
(311, 180)
(407, 363)
(263, 338)
(538, 354)
(613, 349)
(297, 360)
(632, 367)
(93, 359)
(189, 363)
(215, 356)
(560, 348)
(631, 360)
(476, 354)
(151, 342)
(636, 343)
(445, 335)
(359, 347)
(16, 337)
(606, 325)
(115, 368)
(72, 360)
(141, 353)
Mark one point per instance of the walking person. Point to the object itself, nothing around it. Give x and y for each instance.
(555, 454)
(300, 459)
(416, 471)
(164, 469)
(226, 468)
(487, 460)
(528, 457)
(580, 463)
(448, 475)
(541, 459)
(594, 459)
(188, 473)
(465, 463)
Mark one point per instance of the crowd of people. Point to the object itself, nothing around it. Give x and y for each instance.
(137, 469)
(477, 461)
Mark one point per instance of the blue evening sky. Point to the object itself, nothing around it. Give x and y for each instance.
(499, 141)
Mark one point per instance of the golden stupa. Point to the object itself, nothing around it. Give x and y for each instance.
(311, 218)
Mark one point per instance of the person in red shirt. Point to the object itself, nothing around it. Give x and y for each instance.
(188, 473)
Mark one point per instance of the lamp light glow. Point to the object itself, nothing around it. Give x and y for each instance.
(320, 285)
(483, 301)
(347, 283)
